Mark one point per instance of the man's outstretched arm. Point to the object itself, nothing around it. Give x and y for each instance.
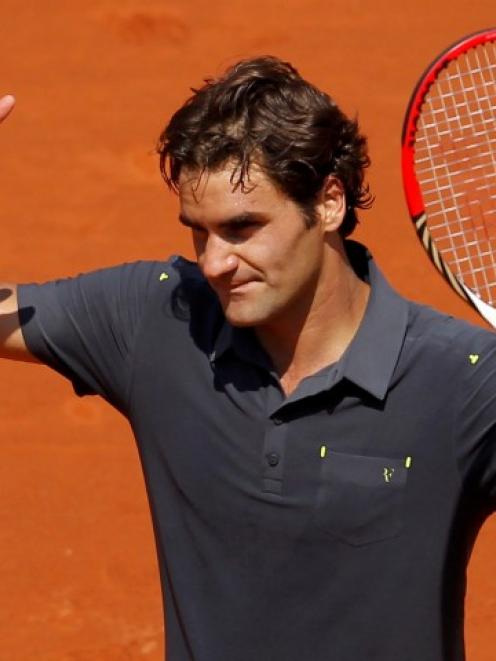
(12, 343)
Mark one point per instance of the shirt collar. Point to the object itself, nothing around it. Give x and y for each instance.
(372, 355)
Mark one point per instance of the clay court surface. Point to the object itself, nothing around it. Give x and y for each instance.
(95, 82)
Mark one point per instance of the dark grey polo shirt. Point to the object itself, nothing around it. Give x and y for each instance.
(331, 525)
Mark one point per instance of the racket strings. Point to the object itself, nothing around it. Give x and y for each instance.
(455, 162)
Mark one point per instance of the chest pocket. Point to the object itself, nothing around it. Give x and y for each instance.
(360, 499)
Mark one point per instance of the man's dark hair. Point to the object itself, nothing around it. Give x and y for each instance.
(262, 111)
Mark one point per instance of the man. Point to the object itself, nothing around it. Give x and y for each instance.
(318, 451)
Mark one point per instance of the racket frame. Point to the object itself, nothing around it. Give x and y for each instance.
(411, 186)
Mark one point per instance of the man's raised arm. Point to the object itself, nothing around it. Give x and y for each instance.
(12, 343)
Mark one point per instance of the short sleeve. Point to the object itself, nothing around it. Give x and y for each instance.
(85, 327)
(475, 426)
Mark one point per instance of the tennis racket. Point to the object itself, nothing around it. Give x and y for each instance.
(449, 167)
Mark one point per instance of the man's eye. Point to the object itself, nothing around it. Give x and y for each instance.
(241, 228)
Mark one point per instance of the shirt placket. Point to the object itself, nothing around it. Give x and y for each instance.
(274, 451)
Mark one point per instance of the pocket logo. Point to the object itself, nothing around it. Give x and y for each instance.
(388, 474)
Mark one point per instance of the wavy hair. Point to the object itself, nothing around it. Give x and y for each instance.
(262, 111)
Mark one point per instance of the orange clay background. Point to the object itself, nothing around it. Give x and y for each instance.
(95, 82)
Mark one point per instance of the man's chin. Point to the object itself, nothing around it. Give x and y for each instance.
(242, 321)
(242, 316)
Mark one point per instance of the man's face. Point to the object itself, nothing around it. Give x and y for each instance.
(253, 247)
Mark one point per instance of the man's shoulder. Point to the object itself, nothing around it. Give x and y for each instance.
(173, 269)
(183, 279)
(176, 290)
(447, 335)
(160, 277)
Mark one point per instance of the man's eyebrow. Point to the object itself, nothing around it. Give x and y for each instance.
(239, 219)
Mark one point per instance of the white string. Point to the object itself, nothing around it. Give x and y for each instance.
(477, 248)
(437, 190)
(490, 239)
(456, 149)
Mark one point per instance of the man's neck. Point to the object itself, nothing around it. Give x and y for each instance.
(305, 342)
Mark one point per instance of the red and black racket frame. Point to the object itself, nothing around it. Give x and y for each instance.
(411, 186)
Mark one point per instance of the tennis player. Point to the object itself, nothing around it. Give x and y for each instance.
(319, 452)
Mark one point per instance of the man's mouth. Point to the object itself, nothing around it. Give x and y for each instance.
(234, 287)
(240, 286)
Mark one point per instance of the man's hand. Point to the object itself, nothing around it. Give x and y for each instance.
(6, 105)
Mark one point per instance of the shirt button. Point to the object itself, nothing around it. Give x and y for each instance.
(273, 459)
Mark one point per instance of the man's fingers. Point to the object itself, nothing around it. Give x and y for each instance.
(6, 105)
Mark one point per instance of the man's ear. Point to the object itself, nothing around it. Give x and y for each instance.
(332, 204)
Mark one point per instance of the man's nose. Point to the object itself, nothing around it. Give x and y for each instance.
(217, 259)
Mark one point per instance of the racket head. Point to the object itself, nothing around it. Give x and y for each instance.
(449, 166)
